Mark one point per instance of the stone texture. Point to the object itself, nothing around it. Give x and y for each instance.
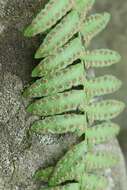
(10, 95)
(21, 155)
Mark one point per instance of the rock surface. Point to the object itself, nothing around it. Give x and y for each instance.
(20, 155)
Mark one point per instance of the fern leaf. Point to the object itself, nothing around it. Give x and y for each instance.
(74, 170)
(100, 58)
(57, 82)
(59, 35)
(102, 85)
(72, 76)
(65, 109)
(102, 132)
(61, 58)
(105, 110)
(70, 186)
(93, 182)
(43, 174)
(100, 160)
(53, 11)
(94, 25)
(59, 103)
(60, 124)
(66, 168)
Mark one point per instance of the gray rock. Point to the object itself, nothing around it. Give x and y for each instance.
(9, 97)
(21, 155)
(113, 175)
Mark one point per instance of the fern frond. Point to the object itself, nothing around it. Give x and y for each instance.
(100, 58)
(93, 25)
(53, 11)
(100, 160)
(105, 109)
(68, 96)
(73, 173)
(43, 174)
(102, 85)
(102, 132)
(60, 59)
(72, 76)
(59, 103)
(69, 186)
(59, 35)
(61, 124)
(66, 168)
(74, 170)
(57, 82)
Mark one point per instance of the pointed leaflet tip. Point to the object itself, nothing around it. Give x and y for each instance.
(38, 54)
(35, 72)
(28, 31)
(25, 93)
(105, 18)
(93, 25)
(29, 91)
(43, 174)
(30, 108)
